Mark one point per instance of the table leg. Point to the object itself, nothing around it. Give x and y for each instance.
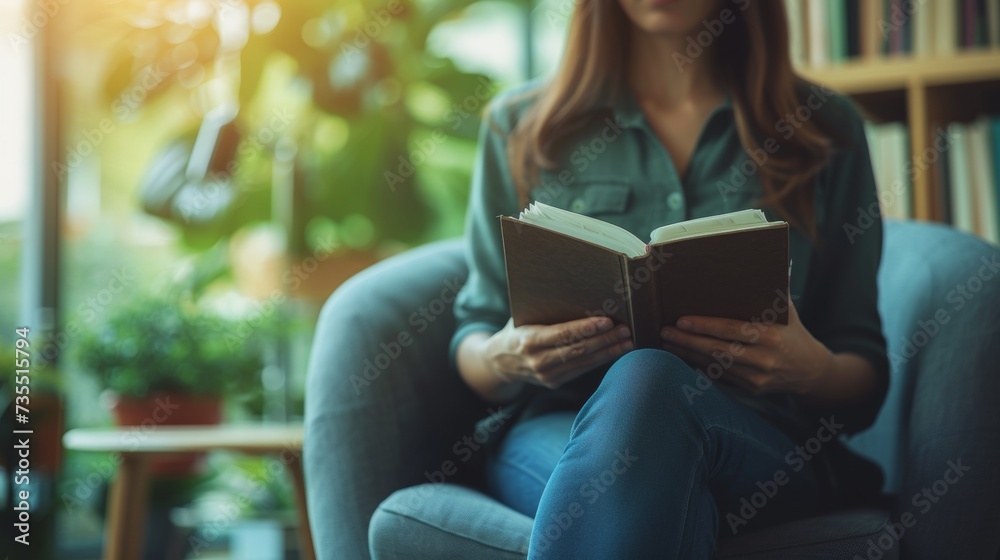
(305, 533)
(127, 503)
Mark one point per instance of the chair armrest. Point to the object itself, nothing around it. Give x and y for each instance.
(383, 404)
(940, 306)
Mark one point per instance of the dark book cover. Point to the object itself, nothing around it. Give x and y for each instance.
(553, 278)
(853, 28)
(982, 38)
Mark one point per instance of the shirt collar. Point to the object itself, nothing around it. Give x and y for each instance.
(628, 112)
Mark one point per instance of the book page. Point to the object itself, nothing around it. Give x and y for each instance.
(584, 228)
(723, 223)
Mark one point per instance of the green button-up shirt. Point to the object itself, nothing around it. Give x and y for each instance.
(618, 170)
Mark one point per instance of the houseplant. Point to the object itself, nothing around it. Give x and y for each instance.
(374, 131)
(164, 361)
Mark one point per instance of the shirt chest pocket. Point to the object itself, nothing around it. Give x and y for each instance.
(593, 197)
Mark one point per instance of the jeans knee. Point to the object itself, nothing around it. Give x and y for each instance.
(651, 379)
(652, 369)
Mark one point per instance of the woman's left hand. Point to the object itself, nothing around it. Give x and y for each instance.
(761, 358)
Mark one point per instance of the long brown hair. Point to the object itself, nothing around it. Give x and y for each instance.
(754, 59)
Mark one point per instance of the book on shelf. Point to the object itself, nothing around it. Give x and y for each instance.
(942, 174)
(969, 178)
(945, 26)
(897, 24)
(923, 30)
(852, 31)
(837, 14)
(962, 214)
(831, 31)
(889, 149)
(993, 22)
(983, 188)
(796, 36)
(819, 35)
(563, 266)
(870, 37)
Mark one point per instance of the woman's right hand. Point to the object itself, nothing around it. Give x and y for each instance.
(551, 355)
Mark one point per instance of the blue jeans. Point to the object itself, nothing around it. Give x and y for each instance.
(648, 468)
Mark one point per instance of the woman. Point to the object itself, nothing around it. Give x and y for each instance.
(665, 110)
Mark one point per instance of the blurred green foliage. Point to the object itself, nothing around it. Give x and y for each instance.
(153, 343)
(382, 131)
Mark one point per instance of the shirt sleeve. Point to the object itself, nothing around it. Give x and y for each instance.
(482, 304)
(846, 305)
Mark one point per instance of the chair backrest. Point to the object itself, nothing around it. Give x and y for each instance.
(940, 305)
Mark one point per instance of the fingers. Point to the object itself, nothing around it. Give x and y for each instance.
(551, 358)
(571, 369)
(709, 346)
(723, 329)
(538, 337)
(742, 375)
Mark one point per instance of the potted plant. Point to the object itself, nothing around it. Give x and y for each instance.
(166, 362)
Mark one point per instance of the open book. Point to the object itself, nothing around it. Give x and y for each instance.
(563, 266)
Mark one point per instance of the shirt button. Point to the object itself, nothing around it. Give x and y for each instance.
(578, 205)
(675, 201)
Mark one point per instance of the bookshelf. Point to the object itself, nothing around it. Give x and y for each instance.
(925, 92)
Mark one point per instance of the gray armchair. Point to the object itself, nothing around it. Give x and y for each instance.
(391, 463)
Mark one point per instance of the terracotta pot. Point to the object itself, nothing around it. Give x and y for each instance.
(166, 409)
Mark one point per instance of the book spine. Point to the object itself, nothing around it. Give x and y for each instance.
(838, 31)
(981, 168)
(970, 24)
(642, 283)
(796, 25)
(945, 27)
(922, 30)
(943, 176)
(993, 22)
(853, 29)
(819, 40)
(896, 35)
(958, 166)
(982, 29)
